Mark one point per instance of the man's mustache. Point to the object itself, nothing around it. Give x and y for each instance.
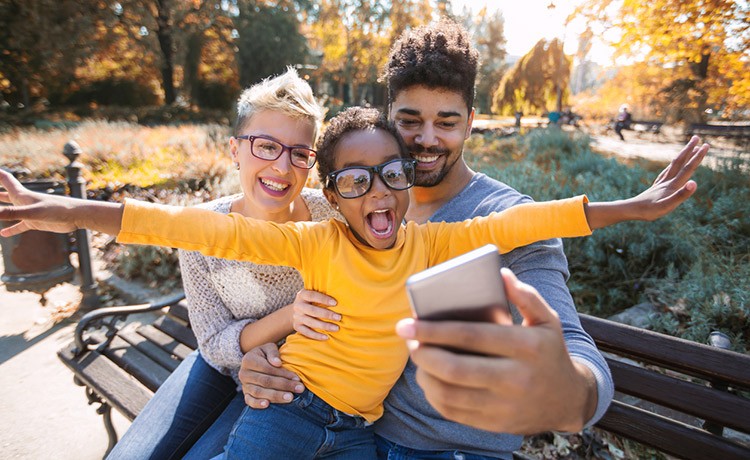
(421, 149)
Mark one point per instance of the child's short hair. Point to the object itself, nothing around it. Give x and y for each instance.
(286, 93)
(437, 56)
(351, 119)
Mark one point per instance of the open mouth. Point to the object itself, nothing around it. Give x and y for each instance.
(425, 160)
(381, 223)
(273, 186)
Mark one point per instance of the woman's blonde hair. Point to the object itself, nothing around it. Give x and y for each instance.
(286, 93)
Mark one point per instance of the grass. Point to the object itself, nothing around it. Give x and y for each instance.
(119, 153)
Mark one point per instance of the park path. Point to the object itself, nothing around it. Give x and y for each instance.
(661, 149)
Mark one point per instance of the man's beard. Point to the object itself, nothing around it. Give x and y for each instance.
(431, 178)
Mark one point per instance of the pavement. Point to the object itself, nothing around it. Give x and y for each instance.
(44, 414)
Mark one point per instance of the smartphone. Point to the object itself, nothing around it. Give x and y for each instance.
(466, 288)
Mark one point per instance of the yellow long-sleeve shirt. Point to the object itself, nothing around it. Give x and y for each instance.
(356, 367)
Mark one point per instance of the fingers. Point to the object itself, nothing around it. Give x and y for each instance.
(319, 298)
(527, 300)
(677, 163)
(309, 320)
(4, 197)
(263, 381)
(14, 230)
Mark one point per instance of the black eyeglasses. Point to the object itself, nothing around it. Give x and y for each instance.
(269, 149)
(355, 181)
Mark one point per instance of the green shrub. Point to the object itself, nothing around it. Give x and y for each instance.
(694, 262)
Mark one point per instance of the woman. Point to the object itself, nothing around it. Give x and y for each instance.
(235, 306)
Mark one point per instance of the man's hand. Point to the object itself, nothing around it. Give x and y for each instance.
(522, 381)
(263, 379)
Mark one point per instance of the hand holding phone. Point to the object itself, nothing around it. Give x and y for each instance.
(465, 288)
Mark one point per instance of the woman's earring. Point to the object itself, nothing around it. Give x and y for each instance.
(236, 166)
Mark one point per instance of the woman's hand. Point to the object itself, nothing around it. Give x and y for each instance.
(309, 318)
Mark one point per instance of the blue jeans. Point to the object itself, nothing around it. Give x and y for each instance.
(190, 416)
(388, 450)
(306, 428)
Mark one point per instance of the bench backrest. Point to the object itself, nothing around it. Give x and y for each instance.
(681, 397)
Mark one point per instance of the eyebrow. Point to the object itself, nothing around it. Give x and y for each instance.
(441, 113)
(347, 165)
(272, 138)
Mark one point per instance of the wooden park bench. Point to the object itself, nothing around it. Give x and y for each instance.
(734, 132)
(685, 399)
(122, 366)
(647, 126)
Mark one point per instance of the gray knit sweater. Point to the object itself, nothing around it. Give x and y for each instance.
(225, 295)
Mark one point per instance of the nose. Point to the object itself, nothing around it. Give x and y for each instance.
(426, 136)
(378, 188)
(283, 164)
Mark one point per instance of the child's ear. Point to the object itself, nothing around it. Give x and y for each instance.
(331, 197)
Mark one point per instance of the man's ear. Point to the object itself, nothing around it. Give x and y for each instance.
(468, 125)
(331, 197)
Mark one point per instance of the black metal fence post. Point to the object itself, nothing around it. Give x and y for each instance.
(77, 186)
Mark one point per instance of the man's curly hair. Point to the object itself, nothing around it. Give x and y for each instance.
(350, 120)
(437, 56)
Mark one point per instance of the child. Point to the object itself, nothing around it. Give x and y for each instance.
(363, 263)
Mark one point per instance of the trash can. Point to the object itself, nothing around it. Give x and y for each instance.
(34, 260)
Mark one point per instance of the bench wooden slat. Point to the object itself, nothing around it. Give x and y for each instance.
(671, 352)
(165, 341)
(152, 350)
(180, 310)
(176, 330)
(121, 390)
(669, 436)
(698, 400)
(140, 365)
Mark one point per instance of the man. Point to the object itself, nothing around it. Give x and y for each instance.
(543, 375)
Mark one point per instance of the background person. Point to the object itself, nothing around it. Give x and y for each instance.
(623, 120)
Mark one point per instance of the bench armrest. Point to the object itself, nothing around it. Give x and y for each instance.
(108, 317)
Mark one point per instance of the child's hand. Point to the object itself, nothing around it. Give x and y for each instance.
(309, 317)
(670, 189)
(36, 211)
(672, 186)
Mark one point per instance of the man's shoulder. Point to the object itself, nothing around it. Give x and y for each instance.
(481, 196)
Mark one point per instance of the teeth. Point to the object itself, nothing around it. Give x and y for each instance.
(426, 158)
(274, 185)
(380, 211)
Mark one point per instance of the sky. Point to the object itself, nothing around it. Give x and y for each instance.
(528, 21)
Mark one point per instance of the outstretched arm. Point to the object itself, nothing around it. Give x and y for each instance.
(670, 189)
(59, 214)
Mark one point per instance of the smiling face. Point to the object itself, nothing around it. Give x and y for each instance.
(376, 216)
(270, 187)
(434, 124)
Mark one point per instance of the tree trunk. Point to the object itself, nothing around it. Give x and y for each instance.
(191, 79)
(164, 33)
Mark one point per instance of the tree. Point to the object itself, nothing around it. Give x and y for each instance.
(533, 83)
(42, 43)
(268, 39)
(488, 34)
(708, 38)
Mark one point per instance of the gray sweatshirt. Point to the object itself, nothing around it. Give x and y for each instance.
(409, 420)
